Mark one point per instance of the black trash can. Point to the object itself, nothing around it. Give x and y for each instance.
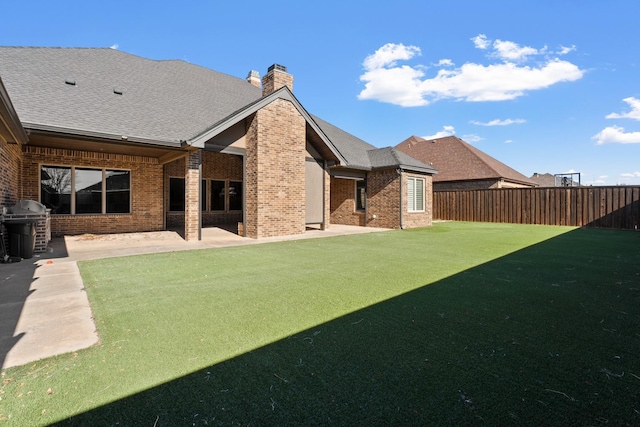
(22, 237)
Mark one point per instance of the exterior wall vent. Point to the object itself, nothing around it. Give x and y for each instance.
(117, 91)
(70, 82)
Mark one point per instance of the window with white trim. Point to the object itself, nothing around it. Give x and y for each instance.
(415, 194)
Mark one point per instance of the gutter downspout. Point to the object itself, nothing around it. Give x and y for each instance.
(325, 171)
(401, 201)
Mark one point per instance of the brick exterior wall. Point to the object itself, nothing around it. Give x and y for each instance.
(383, 198)
(480, 184)
(383, 201)
(418, 219)
(343, 203)
(275, 163)
(10, 162)
(146, 190)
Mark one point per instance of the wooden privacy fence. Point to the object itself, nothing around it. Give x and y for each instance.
(606, 207)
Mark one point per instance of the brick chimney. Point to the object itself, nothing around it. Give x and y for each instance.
(276, 78)
(254, 78)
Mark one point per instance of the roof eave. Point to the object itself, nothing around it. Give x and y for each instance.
(60, 130)
(410, 168)
(9, 119)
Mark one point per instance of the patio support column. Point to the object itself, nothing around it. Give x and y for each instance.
(192, 181)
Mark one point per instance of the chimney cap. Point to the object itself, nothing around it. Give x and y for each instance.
(277, 67)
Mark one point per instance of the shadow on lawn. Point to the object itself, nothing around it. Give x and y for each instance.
(544, 336)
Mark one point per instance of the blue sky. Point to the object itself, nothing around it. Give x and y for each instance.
(543, 86)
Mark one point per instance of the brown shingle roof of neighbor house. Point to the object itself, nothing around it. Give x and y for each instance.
(544, 180)
(457, 160)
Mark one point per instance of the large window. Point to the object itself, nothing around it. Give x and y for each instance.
(203, 195)
(218, 196)
(361, 195)
(225, 196)
(88, 186)
(235, 195)
(118, 191)
(79, 190)
(55, 189)
(415, 194)
(176, 194)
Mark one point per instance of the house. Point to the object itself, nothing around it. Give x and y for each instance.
(557, 180)
(544, 179)
(113, 142)
(462, 166)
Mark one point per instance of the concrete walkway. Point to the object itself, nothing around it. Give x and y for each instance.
(44, 310)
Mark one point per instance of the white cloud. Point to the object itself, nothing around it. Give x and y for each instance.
(616, 134)
(407, 86)
(446, 131)
(634, 114)
(114, 46)
(481, 41)
(511, 51)
(388, 54)
(564, 49)
(445, 63)
(630, 175)
(472, 138)
(498, 122)
(508, 141)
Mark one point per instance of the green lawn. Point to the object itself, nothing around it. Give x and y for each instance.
(459, 324)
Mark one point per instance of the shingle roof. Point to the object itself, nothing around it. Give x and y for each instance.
(457, 160)
(10, 126)
(352, 148)
(383, 158)
(544, 180)
(161, 100)
(108, 92)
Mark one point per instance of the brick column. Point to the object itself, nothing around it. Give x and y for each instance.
(192, 196)
(275, 171)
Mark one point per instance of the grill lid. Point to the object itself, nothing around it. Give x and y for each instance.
(28, 207)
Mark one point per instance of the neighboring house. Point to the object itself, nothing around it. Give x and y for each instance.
(559, 180)
(462, 166)
(112, 142)
(544, 180)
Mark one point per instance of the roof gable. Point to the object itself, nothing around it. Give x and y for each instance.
(457, 160)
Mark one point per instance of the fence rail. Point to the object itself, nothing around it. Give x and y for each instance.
(605, 207)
